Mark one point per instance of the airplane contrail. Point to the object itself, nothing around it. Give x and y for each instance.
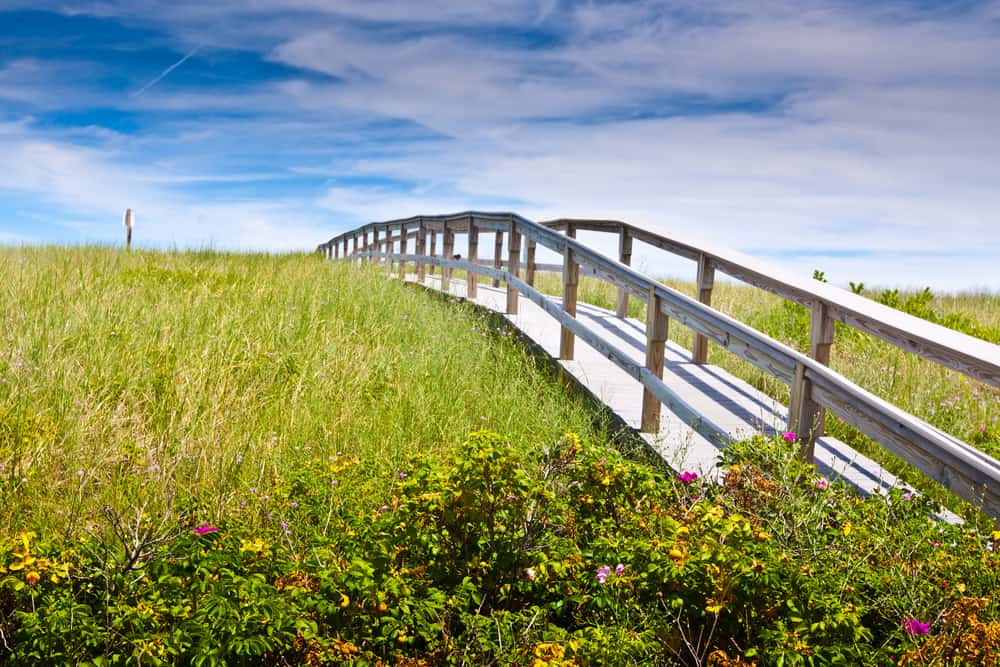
(166, 72)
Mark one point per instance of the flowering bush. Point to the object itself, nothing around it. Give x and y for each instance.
(568, 554)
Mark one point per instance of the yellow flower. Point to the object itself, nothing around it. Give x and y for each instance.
(32, 578)
(344, 600)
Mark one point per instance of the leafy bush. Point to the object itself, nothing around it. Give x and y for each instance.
(566, 554)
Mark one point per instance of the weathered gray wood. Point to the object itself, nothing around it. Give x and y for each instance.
(421, 251)
(447, 250)
(433, 266)
(571, 281)
(472, 277)
(657, 330)
(403, 237)
(625, 257)
(530, 265)
(513, 267)
(497, 252)
(705, 282)
(958, 467)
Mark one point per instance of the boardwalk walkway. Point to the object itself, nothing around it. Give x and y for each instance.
(730, 405)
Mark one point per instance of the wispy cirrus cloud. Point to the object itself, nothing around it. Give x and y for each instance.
(776, 127)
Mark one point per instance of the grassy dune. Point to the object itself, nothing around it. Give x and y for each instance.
(133, 380)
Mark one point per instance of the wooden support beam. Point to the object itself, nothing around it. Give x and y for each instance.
(403, 243)
(376, 245)
(389, 247)
(364, 245)
(571, 280)
(471, 278)
(497, 251)
(806, 418)
(706, 280)
(354, 245)
(529, 268)
(344, 256)
(421, 250)
(657, 330)
(513, 266)
(431, 268)
(447, 251)
(625, 257)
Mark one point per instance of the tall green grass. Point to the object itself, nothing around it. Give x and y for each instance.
(141, 383)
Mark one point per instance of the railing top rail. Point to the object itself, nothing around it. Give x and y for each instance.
(966, 354)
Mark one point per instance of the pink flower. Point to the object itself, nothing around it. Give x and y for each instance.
(619, 569)
(915, 627)
(603, 572)
(822, 483)
(687, 476)
(529, 574)
(205, 528)
(982, 427)
(789, 436)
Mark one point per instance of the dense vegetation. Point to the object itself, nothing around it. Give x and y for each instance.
(215, 459)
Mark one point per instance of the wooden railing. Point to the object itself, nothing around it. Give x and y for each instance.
(814, 387)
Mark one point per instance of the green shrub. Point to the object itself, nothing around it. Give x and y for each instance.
(564, 554)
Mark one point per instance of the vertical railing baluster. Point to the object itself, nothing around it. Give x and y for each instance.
(513, 266)
(571, 280)
(706, 280)
(625, 257)
(472, 278)
(657, 331)
(529, 262)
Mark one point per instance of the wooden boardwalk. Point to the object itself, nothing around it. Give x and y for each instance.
(637, 373)
(732, 407)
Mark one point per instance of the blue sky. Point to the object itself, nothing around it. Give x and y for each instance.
(855, 137)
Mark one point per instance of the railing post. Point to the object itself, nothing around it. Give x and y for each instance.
(805, 416)
(431, 268)
(657, 330)
(472, 278)
(403, 244)
(421, 250)
(571, 279)
(354, 246)
(513, 266)
(344, 255)
(447, 251)
(529, 263)
(497, 251)
(376, 244)
(625, 257)
(706, 280)
(389, 247)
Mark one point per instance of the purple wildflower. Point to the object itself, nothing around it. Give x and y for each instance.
(205, 528)
(619, 569)
(789, 436)
(913, 626)
(603, 572)
(821, 483)
(687, 476)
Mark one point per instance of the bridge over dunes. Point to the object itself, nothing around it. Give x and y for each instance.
(686, 408)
